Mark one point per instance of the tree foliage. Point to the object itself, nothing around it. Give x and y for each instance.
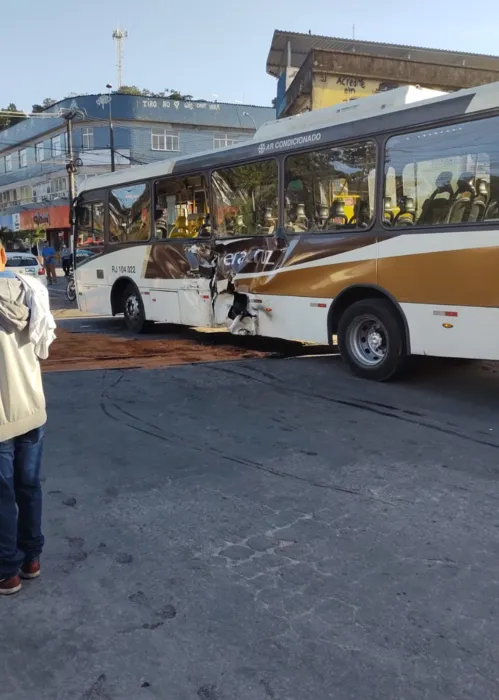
(165, 94)
(7, 120)
(46, 104)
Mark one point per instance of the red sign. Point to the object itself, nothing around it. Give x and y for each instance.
(51, 217)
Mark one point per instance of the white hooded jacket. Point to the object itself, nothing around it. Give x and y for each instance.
(41, 322)
(22, 401)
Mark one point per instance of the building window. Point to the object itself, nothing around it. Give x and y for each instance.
(330, 189)
(8, 164)
(246, 199)
(162, 140)
(224, 140)
(39, 152)
(87, 138)
(56, 146)
(57, 188)
(41, 191)
(23, 158)
(25, 194)
(130, 214)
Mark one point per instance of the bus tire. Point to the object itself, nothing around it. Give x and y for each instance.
(133, 310)
(371, 339)
(71, 289)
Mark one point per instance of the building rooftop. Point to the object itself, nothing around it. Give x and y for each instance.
(302, 44)
(216, 115)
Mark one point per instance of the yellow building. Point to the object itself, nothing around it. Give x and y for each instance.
(317, 71)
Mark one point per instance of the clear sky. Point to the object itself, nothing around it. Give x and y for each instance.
(53, 48)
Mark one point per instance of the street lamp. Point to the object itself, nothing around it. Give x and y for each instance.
(111, 130)
(247, 114)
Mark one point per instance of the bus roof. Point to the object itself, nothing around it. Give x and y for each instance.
(378, 106)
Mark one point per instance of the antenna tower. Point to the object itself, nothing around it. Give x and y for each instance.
(119, 36)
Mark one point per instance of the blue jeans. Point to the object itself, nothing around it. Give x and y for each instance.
(21, 536)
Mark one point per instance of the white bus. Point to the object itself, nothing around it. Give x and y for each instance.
(375, 222)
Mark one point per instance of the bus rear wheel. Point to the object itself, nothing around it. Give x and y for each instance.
(371, 340)
(133, 310)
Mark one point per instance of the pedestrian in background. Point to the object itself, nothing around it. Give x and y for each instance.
(66, 257)
(26, 331)
(48, 255)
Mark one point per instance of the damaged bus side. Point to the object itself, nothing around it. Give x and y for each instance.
(376, 222)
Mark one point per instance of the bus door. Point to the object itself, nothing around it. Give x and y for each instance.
(88, 247)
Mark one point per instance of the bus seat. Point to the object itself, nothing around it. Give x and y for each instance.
(180, 229)
(362, 216)
(462, 200)
(160, 223)
(492, 210)
(387, 211)
(407, 213)
(479, 205)
(436, 207)
(337, 214)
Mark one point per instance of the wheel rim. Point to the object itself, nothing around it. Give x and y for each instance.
(368, 341)
(132, 308)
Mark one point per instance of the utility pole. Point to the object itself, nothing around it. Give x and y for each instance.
(119, 37)
(72, 166)
(111, 128)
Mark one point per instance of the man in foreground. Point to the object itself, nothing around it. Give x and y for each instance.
(26, 331)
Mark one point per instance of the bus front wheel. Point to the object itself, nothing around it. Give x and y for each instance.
(133, 310)
(371, 339)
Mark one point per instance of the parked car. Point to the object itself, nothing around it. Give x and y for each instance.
(83, 255)
(26, 264)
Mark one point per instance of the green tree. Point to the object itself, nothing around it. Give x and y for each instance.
(7, 120)
(6, 235)
(46, 104)
(131, 90)
(166, 93)
(175, 95)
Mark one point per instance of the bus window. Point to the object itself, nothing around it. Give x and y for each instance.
(130, 214)
(181, 208)
(447, 172)
(246, 199)
(90, 227)
(330, 189)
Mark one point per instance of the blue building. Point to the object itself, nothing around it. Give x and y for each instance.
(34, 152)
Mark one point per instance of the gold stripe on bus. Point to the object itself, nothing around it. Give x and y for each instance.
(453, 277)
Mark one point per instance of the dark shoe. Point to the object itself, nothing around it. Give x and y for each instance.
(30, 570)
(9, 586)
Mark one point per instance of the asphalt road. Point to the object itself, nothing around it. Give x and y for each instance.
(264, 530)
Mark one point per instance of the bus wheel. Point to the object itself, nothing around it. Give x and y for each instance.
(71, 289)
(371, 339)
(133, 310)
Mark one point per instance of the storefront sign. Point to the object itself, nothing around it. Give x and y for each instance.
(51, 217)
